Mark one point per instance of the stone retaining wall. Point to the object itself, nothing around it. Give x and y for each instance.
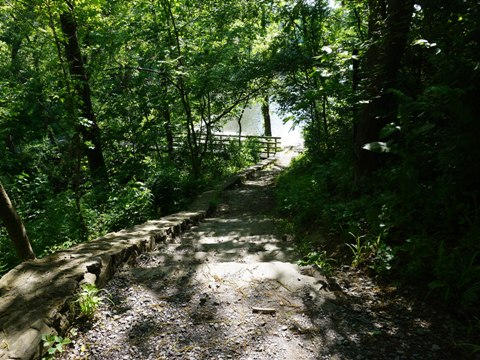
(35, 295)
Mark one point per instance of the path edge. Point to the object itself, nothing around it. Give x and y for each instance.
(54, 279)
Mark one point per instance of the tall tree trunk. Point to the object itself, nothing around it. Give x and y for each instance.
(324, 117)
(90, 131)
(239, 122)
(168, 127)
(382, 63)
(15, 63)
(168, 130)
(167, 119)
(267, 123)
(355, 84)
(77, 158)
(192, 140)
(15, 227)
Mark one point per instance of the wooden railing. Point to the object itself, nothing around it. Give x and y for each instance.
(267, 145)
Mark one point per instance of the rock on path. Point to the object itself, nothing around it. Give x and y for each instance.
(201, 297)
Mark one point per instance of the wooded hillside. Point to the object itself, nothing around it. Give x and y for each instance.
(95, 92)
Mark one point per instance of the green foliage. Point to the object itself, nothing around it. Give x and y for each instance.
(56, 220)
(383, 258)
(473, 331)
(88, 300)
(250, 152)
(310, 191)
(56, 224)
(51, 218)
(361, 250)
(319, 259)
(128, 205)
(320, 195)
(170, 187)
(230, 159)
(372, 252)
(8, 257)
(54, 345)
(146, 89)
(456, 276)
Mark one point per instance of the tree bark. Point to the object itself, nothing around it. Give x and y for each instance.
(239, 122)
(324, 117)
(165, 111)
(168, 130)
(355, 84)
(89, 129)
(192, 141)
(382, 64)
(267, 123)
(15, 227)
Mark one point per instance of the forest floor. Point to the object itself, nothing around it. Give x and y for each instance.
(230, 288)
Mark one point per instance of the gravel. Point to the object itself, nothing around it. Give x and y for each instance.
(167, 306)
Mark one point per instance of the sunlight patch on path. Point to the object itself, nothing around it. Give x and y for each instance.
(286, 274)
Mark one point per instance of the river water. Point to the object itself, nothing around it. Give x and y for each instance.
(252, 124)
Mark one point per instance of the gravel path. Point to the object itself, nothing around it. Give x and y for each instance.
(229, 289)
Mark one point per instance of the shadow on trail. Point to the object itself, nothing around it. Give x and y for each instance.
(203, 289)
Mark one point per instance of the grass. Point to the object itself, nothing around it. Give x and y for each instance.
(88, 300)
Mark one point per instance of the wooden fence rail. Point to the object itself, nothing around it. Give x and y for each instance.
(268, 145)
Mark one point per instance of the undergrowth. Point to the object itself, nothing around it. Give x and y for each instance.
(87, 301)
(54, 345)
(140, 189)
(403, 234)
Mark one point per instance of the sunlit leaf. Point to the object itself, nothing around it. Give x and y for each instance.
(326, 73)
(85, 122)
(420, 42)
(327, 49)
(377, 147)
(423, 42)
(89, 145)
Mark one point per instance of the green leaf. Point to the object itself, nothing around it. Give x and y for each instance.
(327, 49)
(388, 130)
(420, 42)
(85, 122)
(89, 145)
(423, 42)
(377, 147)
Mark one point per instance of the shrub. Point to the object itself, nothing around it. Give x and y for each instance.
(128, 205)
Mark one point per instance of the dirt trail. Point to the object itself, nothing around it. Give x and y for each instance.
(198, 298)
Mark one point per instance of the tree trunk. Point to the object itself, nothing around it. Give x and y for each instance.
(355, 84)
(267, 123)
(239, 122)
(15, 227)
(166, 116)
(15, 63)
(382, 63)
(89, 128)
(192, 141)
(168, 130)
(324, 117)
